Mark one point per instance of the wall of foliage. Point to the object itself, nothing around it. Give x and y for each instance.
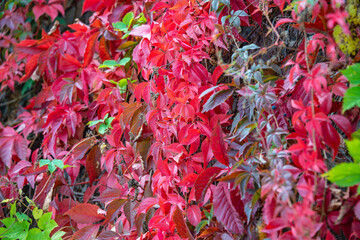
(180, 119)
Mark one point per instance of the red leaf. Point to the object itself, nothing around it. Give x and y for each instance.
(85, 213)
(146, 204)
(6, 148)
(204, 180)
(181, 227)
(93, 163)
(163, 167)
(91, 5)
(343, 123)
(49, 9)
(113, 209)
(103, 50)
(329, 236)
(110, 194)
(108, 235)
(192, 135)
(283, 21)
(224, 210)
(21, 147)
(19, 168)
(90, 49)
(194, 215)
(219, 70)
(274, 225)
(357, 210)
(331, 137)
(188, 180)
(129, 212)
(68, 63)
(216, 99)
(38, 11)
(86, 233)
(218, 146)
(30, 67)
(159, 5)
(81, 149)
(142, 31)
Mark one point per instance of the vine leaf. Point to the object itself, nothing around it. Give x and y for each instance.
(225, 211)
(181, 227)
(217, 98)
(218, 146)
(85, 213)
(194, 214)
(93, 163)
(204, 180)
(86, 233)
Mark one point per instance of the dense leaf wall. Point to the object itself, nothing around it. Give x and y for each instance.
(180, 120)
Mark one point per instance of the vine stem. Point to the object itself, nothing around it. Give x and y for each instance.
(312, 90)
(266, 13)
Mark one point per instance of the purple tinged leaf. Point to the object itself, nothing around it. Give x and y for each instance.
(217, 98)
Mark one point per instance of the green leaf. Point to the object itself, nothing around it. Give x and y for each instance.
(44, 220)
(353, 146)
(92, 123)
(207, 214)
(120, 26)
(352, 73)
(51, 226)
(22, 217)
(37, 213)
(36, 234)
(141, 18)
(128, 18)
(66, 166)
(2, 229)
(58, 235)
(13, 209)
(58, 163)
(123, 85)
(46, 223)
(108, 121)
(27, 86)
(18, 230)
(8, 222)
(109, 64)
(52, 165)
(7, 200)
(200, 226)
(103, 128)
(344, 174)
(44, 162)
(124, 61)
(61, 20)
(351, 98)
(125, 35)
(123, 82)
(31, 202)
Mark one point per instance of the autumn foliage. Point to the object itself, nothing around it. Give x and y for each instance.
(181, 119)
